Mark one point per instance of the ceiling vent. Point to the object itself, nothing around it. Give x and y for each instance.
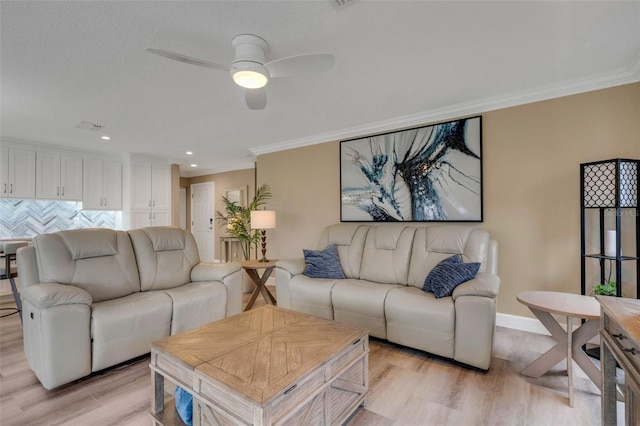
(339, 4)
(84, 125)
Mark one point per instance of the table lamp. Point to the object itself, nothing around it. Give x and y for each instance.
(263, 220)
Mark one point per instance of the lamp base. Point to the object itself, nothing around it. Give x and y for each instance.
(264, 246)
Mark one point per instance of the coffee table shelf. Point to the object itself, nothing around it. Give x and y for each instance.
(168, 416)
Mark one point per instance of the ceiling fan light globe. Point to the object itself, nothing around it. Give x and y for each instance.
(250, 75)
(250, 79)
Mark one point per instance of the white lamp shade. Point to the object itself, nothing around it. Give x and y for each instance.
(263, 219)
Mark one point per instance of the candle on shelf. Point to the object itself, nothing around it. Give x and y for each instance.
(610, 239)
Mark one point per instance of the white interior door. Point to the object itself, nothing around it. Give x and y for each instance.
(202, 217)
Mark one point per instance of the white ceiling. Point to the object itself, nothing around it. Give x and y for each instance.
(397, 64)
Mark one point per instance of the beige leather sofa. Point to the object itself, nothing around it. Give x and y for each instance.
(385, 267)
(93, 298)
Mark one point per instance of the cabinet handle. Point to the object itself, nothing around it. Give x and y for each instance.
(618, 336)
(149, 215)
(11, 189)
(154, 203)
(57, 191)
(632, 351)
(149, 203)
(5, 188)
(63, 191)
(105, 201)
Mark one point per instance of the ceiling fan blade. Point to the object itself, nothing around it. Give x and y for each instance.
(255, 98)
(187, 59)
(300, 64)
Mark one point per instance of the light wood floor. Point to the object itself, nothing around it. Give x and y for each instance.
(407, 387)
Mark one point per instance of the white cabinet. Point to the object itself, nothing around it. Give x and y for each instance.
(102, 184)
(58, 176)
(151, 186)
(144, 218)
(18, 172)
(150, 194)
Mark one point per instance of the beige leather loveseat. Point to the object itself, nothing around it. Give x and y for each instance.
(385, 268)
(93, 298)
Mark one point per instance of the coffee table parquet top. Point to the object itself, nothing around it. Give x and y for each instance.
(261, 352)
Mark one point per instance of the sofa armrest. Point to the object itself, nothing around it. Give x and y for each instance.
(293, 266)
(47, 295)
(484, 284)
(205, 271)
(229, 274)
(285, 270)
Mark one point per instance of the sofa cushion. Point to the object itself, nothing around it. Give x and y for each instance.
(166, 239)
(387, 251)
(434, 243)
(445, 277)
(161, 262)
(312, 295)
(71, 257)
(361, 303)
(83, 245)
(197, 304)
(417, 319)
(451, 259)
(322, 263)
(124, 328)
(349, 241)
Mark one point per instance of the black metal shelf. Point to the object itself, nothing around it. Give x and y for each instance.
(610, 185)
(602, 256)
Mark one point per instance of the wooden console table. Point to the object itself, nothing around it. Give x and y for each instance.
(620, 341)
(226, 248)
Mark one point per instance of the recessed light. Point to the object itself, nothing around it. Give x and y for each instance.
(189, 153)
(194, 165)
(106, 138)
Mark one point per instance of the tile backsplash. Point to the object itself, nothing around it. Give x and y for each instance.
(27, 218)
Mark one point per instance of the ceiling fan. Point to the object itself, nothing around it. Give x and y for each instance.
(250, 70)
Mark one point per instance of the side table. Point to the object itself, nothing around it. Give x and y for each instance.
(569, 344)
(252, 267)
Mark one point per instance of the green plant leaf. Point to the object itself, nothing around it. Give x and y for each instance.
(236, 219)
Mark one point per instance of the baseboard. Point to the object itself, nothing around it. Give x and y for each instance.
(516, 322)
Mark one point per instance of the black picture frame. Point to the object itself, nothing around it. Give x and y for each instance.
(430, 173)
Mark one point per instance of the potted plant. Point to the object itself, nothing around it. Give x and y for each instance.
(236, 219)
(606, 289)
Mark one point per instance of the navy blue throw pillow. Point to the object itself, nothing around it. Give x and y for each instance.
(323, 264)
(456, 258)
(445, 277)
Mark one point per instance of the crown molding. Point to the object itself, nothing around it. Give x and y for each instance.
(619, 77)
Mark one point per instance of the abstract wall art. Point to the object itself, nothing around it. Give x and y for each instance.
(431, 173)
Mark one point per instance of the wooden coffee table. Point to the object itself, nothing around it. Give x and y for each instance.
(264, 366)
